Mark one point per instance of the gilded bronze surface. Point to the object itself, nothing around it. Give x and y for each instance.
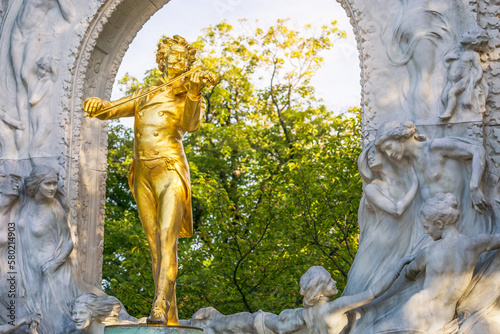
(159, 176)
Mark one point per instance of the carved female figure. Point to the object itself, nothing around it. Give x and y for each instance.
(386, 218)
(319, 315)
(39, 100)
(90, 312)
(45, 246)
(415, 36)
(27, 38)
(441, 166)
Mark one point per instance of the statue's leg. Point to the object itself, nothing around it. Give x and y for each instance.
(170, 194)
(146, 205)
(173, 317)
(453, 96)
(171, 210)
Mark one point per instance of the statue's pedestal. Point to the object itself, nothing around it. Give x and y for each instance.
(148, 329)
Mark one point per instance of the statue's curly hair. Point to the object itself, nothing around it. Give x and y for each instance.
(313, 285)
(443, 207)
(164, 47)
(396, 130)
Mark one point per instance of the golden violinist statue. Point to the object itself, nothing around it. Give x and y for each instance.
(159, 176)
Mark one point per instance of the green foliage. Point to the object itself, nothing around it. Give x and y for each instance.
(127, 263)
(274, 181)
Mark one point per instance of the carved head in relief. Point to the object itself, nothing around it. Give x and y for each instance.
(88, 308)
(370, 161)
(45, 67)
(437, 212)
(317, 284)
(476, 38)
(175, 55)
(393, 136)
(10, 185)
(42, 181)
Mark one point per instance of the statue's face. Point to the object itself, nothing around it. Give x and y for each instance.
(11, 186)
(331, 288)
(375, 159)
(177, 60)
(81, 316)
(48, 187)
(433, 228)
(393, 149)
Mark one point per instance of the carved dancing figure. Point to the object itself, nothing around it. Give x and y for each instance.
(159, 176)
(387, 219)
(41, 120)
(466, 88)
(442, 165)
(90, 313)
(415, 35)
(49, 278)
(447, 265)
(319, 315)
(28, 35)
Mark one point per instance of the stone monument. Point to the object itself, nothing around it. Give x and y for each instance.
(430, 115)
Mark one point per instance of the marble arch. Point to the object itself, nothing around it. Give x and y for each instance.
(112, 29)
(91, 42)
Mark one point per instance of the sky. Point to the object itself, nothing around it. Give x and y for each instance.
(337, 82)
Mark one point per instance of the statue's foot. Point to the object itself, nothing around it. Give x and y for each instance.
(156, 319)
(445, 116)
(159, 311)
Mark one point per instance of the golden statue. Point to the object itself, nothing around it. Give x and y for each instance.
(159, 176)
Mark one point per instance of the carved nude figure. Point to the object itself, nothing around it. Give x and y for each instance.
(319, 315)
(29, 33)
(387, 216)
(466, 87)
(448, 266)
(90, 313)
(441, 165)
(415, 35)
(44, 234)
(39, 100)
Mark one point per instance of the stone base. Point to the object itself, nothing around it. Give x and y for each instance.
(148, 329)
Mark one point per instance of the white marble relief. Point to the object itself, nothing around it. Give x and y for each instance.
(447, 266)
(33, 31)
(319, 315)
(416, 33)
(41, 117)
(90, 313)
(466, 89)
(48, 275)
(386, 218)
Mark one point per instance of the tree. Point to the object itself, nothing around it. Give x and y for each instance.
(274, 180)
